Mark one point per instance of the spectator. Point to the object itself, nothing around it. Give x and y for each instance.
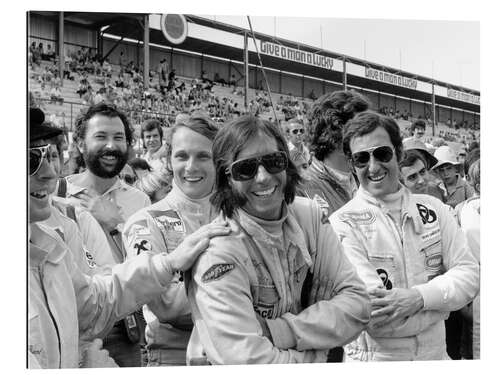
(411, 296)
(152, 139)
(257, 272)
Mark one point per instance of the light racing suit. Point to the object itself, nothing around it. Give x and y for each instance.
(161, 227)
(64, 304)
(253, 276)
(428, 253)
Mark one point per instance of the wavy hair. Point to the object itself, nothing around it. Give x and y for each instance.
(228, 143)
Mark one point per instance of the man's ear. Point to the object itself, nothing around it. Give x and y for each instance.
(80, 144)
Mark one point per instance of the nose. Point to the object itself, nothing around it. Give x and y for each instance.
(420, 180)
(372, 164)
(262, 174)
(47, 170)
(190, 164)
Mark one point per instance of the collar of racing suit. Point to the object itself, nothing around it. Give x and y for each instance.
(44, 246)
(185, 204)
(409, 207)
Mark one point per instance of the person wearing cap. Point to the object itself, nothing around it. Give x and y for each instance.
(407, 248)
(64, 304)
(415, 165)
(457, 190)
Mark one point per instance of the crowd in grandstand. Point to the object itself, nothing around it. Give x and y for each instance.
(175, 226)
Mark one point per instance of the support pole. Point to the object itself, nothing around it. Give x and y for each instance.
(146, 52)
(245, 59)
(61, 47)
(344, 74)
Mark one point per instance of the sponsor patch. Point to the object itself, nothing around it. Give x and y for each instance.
(89, 258)
(141, 245)
(217, 271)
(168, 220)
(433, 261)
(427, 215)
(432, 235)
(358, 217)
(264, 310)
(384, 276)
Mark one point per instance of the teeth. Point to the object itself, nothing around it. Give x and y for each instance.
(108, 157)
(193, 179)
(377, 178)
(264, 193)
(39, 194)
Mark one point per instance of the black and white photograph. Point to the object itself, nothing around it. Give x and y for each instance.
(255, 187)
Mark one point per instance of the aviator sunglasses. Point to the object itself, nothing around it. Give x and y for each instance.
(297, 131)
(383, 154)
(36, 155)
(246, 169)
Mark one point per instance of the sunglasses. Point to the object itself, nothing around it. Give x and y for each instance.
(246, 169)
(36, 156)
(297, 131)
(383, 154)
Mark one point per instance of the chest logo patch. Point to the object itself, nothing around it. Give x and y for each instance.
(427, 215)
(142, 245)
(358, 217)
(217, 271)
(168, 220)
(384, 276)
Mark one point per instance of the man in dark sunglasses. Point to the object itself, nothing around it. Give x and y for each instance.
(407, 248)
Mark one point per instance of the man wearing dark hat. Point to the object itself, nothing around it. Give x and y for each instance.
(65, 305)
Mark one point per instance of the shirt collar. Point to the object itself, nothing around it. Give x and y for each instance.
(45, 245)
(74, 188)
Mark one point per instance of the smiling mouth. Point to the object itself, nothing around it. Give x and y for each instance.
(40, 194)
(377, 178)
(265, 193)
(193, 179)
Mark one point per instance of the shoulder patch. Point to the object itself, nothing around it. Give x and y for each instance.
(168, 220)
(141, 245)
(217, 271)
(358, 217)
(427, 215)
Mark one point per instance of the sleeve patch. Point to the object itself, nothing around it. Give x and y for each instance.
(217, 271)
(89, 258)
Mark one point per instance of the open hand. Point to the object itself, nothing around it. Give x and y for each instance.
(184, 256)
(105, 211)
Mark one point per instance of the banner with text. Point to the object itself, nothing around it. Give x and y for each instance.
(392, 79)
(464, 97)
(296, 55)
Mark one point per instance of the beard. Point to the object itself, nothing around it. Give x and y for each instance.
(93, 162)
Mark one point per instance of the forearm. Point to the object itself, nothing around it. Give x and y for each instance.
(104, 299)
(409, 326)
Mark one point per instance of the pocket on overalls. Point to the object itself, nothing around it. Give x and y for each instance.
(385, 267)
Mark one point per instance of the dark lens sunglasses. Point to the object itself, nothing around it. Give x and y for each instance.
(295, 131)
(383, 154)
(246, 169)
(36, 156)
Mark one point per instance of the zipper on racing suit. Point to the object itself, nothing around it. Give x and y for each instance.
(40, 273)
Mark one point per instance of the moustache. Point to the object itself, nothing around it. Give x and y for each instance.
(114, 153)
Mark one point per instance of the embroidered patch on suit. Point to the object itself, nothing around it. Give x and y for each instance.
(217, 271)
(142, 245)
(428, 216)
(384, 276)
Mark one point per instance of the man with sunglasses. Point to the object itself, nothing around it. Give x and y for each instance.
(407, 248)
(296, 132)
(65, 305)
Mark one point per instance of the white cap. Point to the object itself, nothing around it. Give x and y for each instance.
(445, 155)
